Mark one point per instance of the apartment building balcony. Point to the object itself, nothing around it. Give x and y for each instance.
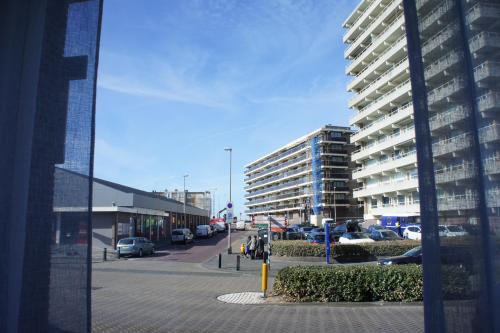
(490, 101)
(487, 72)
(424, 6)
(275, 209)
(278, 198)
(484, 41)
(435, 19)
(394, 209)
(433, 47)
(457, 202)
(459, 172)
(394, 53)
(279, 168)
(492, 165)
(397, 73)
(483, 13)
(379, 44)
(392, 186)
(279, 178)
(375, 126)
(360, 19)
(452, 145)
(493, 197)
(281, 187)
(439, 67)
(391, 164)
(448, 118)
(398, 95)
(445, 91)
(385, 143)
(375, 28)
(279, 157)
(489, 133)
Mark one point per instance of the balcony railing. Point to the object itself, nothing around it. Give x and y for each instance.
(288, 196)
(354, 26)
(443, 63)
(435, 14)
(484, 39)
(301, 181)
(386, 186)
(482, 10)
(394, 113)
(379, 165)
(278, 167)
(402, 88)
(439, 39)
(448, 117)
(457, 202)
(386, 138)
(466, 170)
(445, 90)
(278, 157)
(284, 175)
(488, 101)
(489, 133)
(456, 143)
(493, 197)
(492, 165)
(488, 69)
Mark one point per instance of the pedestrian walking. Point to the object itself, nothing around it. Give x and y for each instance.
(253, 246)
(398, 226)
(247, 247)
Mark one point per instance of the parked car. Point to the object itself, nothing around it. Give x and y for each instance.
(383, 235)
(338, 231)
(182, 236)
(453, 230)
(374, 227)
(355, 238)
(413, 232)
(135, 246)
(305, 231)
(240, 225)
(292, 234)
(316, 238)
(414, 256)
(219, 228)
(204, 230)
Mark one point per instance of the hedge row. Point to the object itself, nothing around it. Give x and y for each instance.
(362, 283)
(298, 248)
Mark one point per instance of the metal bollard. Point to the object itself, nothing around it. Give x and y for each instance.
(264, 280)
(220, 260)
(118, 253)
(105, 254)
(238, 262)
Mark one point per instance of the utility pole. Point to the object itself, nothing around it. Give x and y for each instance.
(185, 176)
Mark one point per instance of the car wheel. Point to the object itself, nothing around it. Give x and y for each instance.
(140, 252)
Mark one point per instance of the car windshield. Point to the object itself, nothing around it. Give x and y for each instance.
(414, 252)
(307, 229)
(441, 228)
(455, 228)
(358, 235)
(177, 232)
(389, 234)
(126, 241)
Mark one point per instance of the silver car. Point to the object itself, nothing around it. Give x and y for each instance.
(182, 236)
(135, 246)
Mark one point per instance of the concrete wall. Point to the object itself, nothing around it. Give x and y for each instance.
(102, 229)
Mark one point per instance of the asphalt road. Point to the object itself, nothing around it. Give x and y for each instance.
(175, 291)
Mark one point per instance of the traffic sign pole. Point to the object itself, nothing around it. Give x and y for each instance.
(229, 219)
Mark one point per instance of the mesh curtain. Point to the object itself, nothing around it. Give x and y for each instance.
(454, 54)
(48, 63)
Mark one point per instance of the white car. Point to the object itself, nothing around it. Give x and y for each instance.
(413, 232)
(219, 228)
(182, 236)
(453, 230)
(240, 225)
(355, 238)
(204, 230)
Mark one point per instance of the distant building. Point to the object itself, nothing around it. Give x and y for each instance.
(309, 176)
(201, 200)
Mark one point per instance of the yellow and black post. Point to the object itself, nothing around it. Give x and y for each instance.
(264, 279)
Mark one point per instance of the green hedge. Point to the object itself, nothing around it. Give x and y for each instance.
(300, 248)
(362, 283)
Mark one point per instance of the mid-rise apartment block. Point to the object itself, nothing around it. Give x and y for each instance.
(385, 137)
(310, 176)
(202, 200)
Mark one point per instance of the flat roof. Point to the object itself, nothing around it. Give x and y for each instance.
(301, 140)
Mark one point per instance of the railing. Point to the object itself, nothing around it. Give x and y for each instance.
(481, 9)
(435, 14)
(483, 38)
(374, 41)
(386, 182)
(459, 142)
(466, 170)
(279, 177)
(488, 101)
(492, 165)
(279, 197)
(441, 37)
(493, 197)
(448, 117)
(457, 202)
(277, 157)
(489, 133)
(441, 64)
(367, 32)
(353, 25)
(395, 158)
(385, 138)
(487, 69)
(278, 167)
(383, 97)
(303, 180)
(445, 90)
(387, 116)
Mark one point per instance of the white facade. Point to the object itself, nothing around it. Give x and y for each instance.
(378, 63)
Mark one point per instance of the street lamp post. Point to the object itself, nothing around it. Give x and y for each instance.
(185, 176)
(334, 207)
(213, 201)
(230, 150)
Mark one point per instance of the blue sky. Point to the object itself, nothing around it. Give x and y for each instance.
(181, 80)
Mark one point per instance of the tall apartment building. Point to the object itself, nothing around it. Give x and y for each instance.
(309, 176)
(376, 47)
(451, 114)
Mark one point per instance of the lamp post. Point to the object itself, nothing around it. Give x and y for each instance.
(230, 150)
(213, 201)
(334, 207)
(185, 176)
